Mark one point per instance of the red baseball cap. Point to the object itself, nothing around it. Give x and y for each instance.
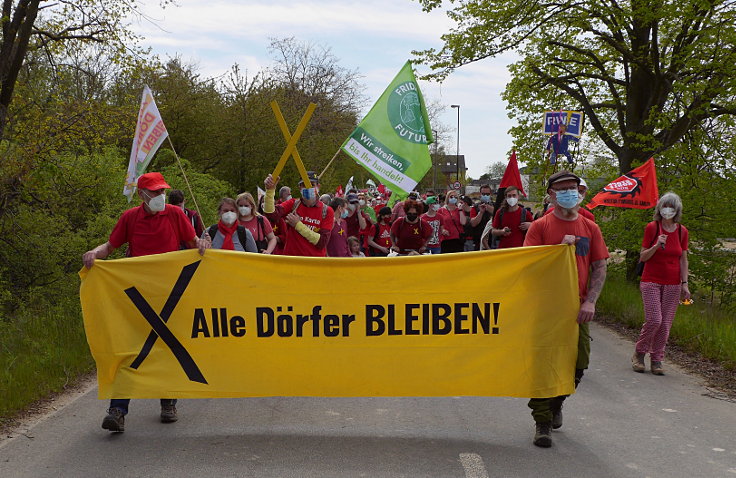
(152, 182)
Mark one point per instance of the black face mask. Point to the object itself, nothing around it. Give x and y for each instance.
(411, 217)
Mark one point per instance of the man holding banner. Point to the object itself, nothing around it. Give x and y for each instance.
(310, 222)
(154, 227)
(565, 226)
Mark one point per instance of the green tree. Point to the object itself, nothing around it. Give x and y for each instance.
(645, 72)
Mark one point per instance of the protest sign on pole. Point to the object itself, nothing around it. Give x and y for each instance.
(392, 140)
(150, 132)
(636, 189)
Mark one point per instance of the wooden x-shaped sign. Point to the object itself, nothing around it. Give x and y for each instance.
(291, 142)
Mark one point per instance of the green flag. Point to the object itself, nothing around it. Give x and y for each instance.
(392, 140)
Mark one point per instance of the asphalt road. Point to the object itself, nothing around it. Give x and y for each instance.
(619, 424)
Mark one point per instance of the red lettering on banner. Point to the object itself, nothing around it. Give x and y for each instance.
(153, 137)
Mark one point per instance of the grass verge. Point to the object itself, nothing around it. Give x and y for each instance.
(698, 328)
(42, 350)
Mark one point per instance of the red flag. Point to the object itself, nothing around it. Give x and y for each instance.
(339, 193)
(636, 189)
(511, 176)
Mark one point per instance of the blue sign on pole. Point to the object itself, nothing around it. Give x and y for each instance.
(573, 120)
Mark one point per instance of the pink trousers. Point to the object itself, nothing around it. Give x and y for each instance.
(660, 305)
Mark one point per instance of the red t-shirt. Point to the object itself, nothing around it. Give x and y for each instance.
(582, 211)
(511, 219)
(384, 235)
(410, 236)
(452, 222)
(279, 230)
(664, 265)
(255, 229)
(337, 246)
(148, 234)
(548, 230)
(436, 223)
(296, 244)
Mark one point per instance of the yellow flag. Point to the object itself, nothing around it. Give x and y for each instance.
(232, 324)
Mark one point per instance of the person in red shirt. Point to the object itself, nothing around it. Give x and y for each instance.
(566, 226)
(379, 236)
(582, 211)
(357, 221)
(337, 245)
(154, 227)
(454, 222)
(664, 280)
(308, 220)
(511, 220)
(437, 223)
(409, 234)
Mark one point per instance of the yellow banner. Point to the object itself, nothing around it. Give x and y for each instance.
(230, 324)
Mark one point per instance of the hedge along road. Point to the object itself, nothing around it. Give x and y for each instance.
(620, 424)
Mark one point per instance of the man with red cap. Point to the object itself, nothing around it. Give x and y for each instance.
(154, 227)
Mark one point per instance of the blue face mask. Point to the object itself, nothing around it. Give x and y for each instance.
(567, 198)
(308, 193)
(344, 213)
(485, 198)
(452, 201)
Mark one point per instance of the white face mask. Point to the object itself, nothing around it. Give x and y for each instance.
(667, 212)
(157, 203)
(244, 210)
(229, 217)
(512, 201)
(361, 203)
(581, 196)
(435, 207)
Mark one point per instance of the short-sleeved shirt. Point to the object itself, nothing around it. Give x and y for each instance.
(298, 245)
(451, 222)
(255, 229)
(337, 246)
(590, 247)
(664, 266)
(383, 237)
(410, 236)
(148, 234)
(512, 220)
(436, 223)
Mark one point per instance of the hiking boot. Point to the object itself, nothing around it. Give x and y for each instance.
(543, 435)
(657, 368)
(168, 413)
(114, 421)
(637, 362)
(557, 418)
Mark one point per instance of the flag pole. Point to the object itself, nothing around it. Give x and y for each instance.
(186, 180)
(330, 163)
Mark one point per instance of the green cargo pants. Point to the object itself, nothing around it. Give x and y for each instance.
(542, 407)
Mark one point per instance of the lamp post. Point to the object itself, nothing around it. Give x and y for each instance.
(457, 146)
(434, 163)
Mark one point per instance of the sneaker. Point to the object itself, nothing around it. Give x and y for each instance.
(168, 414)
(543, 435)
(557, 418)
(637, 362)
(114, 421)
(657, 368)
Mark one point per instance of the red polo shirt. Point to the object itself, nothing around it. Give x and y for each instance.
(148, 234)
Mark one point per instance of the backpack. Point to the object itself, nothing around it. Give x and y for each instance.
(263, 243)
(242, 235)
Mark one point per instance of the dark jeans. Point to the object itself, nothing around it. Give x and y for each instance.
(542, 408)
(122, 403)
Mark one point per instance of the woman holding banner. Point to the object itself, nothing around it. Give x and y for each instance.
(227, 233)
(663, 282)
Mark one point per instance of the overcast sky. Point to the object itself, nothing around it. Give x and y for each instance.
(374, 37)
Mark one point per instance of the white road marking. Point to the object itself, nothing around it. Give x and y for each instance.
(473, 465)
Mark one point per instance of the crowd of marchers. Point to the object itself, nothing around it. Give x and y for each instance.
(362, 224)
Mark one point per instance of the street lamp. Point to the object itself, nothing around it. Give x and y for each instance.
(457, 146)
(434, 162)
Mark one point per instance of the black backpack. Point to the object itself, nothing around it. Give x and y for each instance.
(242, 235)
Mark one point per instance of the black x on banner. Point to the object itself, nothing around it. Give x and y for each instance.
(158, 324)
